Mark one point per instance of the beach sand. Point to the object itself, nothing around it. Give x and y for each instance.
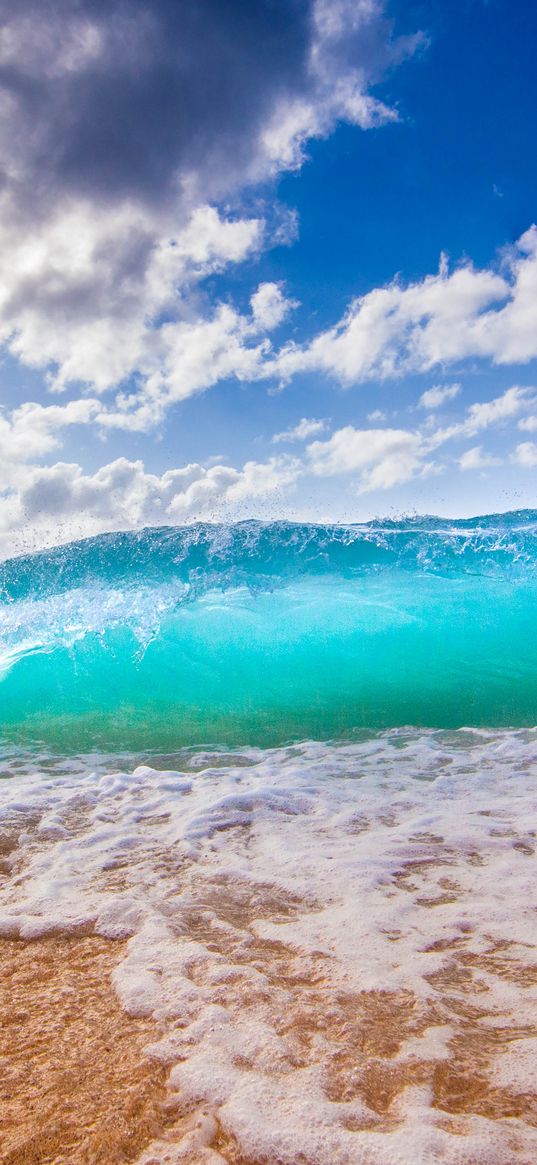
(75, 1084)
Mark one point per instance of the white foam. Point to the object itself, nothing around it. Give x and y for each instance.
(269, 895)
(517, 1067)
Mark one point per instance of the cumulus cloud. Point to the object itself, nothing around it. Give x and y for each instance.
(392, 330)
(501, 408)
(377, 458)
(476, 458)
(122, 127)
(350, 46)
(528, 424)
(443, 319)
(269, 306)
(85, 293)
(188, 356)
(526, 454)
(306, 427)
(34, 430)
(483, 414)
(60, 502)
(383, 458)
(436, 396)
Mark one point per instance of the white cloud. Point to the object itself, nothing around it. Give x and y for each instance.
(528, 424)
(123, 495)
(351, 46)
(438, 395)
(33, 430)
(475, 458)
(443, 319)
(376, 415)
(501, 408)
(306, 427)
(381, 458)
(483, 414)
(269, 306)
(526, 454)
(85, 292)
(297, 122)
(60, 502)
(189, 356)
(44, 504)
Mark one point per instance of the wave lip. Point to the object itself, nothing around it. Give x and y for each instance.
(256, 553)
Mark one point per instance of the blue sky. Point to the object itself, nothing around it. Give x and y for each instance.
(268, 260)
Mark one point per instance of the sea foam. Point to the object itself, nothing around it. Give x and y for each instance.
(336, 941)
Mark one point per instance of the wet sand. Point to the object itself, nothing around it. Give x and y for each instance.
(79, 1086)
(75, 1084)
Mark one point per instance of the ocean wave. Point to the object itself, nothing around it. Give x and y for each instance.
(265, 632)
(263, 554)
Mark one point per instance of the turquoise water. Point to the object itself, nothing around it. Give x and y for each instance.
(261, 633)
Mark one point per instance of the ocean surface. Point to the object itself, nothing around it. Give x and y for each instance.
(296, 767)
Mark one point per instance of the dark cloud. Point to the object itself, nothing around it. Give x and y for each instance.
(129, 130)
(115, 98)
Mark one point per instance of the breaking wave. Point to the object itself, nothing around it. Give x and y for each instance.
(261, 633)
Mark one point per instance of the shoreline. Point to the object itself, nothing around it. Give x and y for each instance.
(308, 954)
(79, 1081)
